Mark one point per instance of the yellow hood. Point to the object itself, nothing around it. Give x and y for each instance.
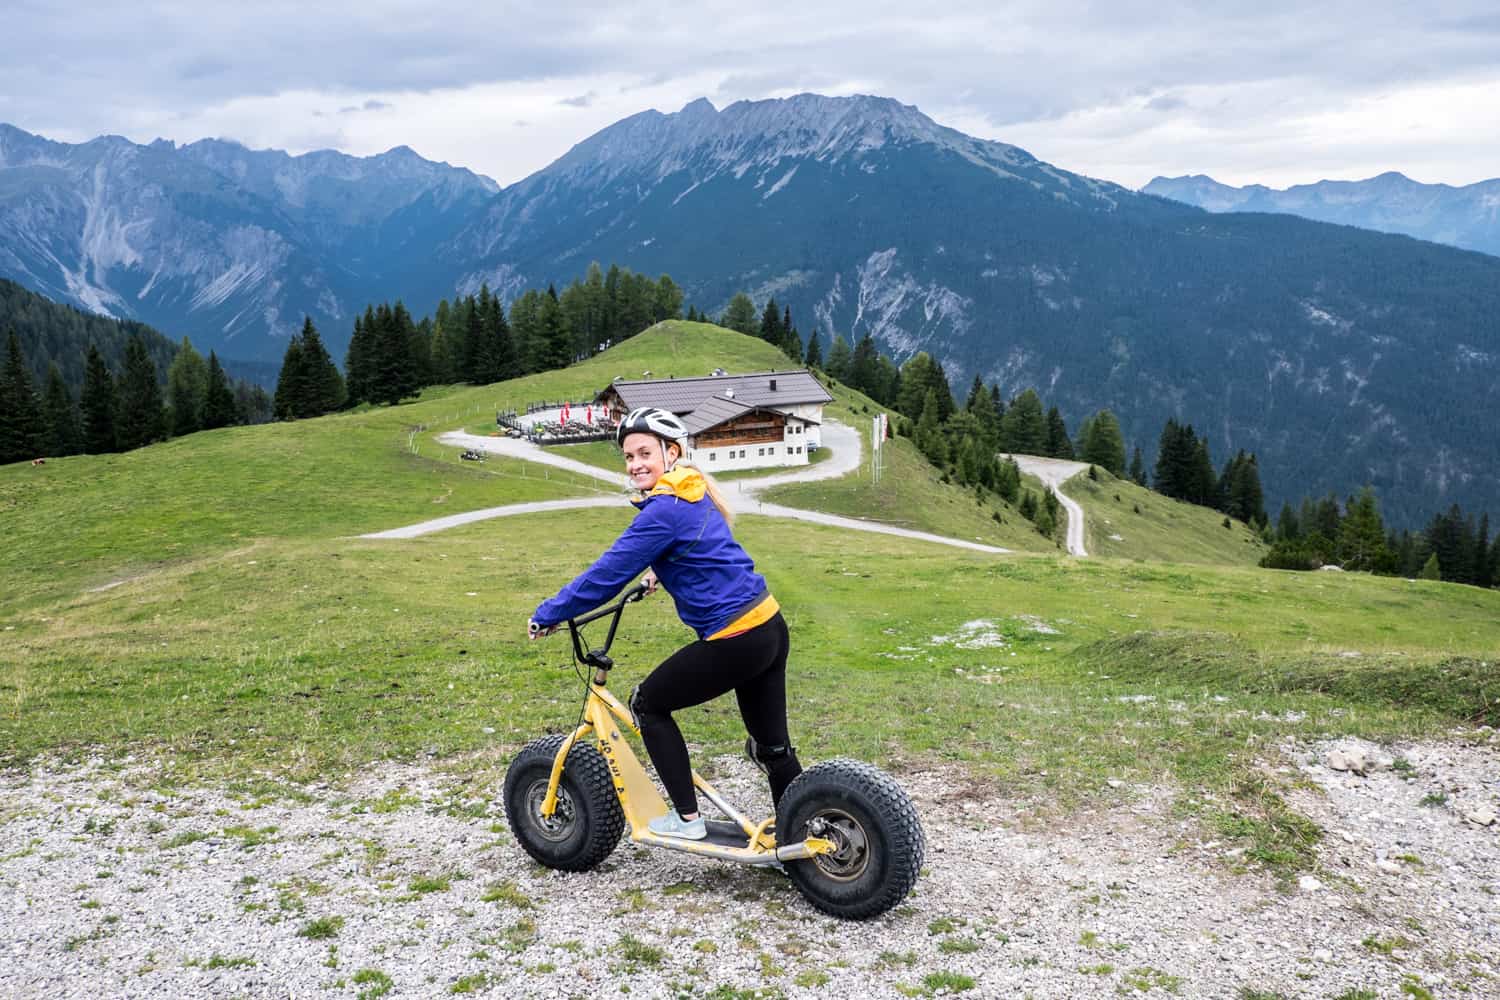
(683, 482)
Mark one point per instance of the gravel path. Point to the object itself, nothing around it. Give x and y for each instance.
(116, 883)
(743, 494)
(1054, 472)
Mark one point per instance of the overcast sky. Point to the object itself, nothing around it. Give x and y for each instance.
(1270, 92)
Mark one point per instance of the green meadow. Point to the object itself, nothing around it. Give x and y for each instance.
(207, 602)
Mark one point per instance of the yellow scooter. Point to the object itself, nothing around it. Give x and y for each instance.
(846, 833)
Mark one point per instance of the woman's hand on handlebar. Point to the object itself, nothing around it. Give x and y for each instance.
(649, 581)
(535, 631)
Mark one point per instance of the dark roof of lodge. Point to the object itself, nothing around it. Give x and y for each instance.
(684, 395)
(716, 410)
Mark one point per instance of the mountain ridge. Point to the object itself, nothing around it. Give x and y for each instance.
(1465, 216)
(1341, 355)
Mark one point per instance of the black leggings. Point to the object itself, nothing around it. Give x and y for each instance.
(753, 666)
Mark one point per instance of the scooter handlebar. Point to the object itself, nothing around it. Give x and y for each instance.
(635, 593)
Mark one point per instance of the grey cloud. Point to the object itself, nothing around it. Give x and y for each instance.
(85, 68)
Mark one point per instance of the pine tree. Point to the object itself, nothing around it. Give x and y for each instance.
(929, 437)
(526, 328)
(140, 417)
(1287, 527)
(97, 404)
(1172, 460)
(977, 399)
(1205, 484)
(919, 380)
(61, 416)
(359, 359)
(1451, 536)
(814, 351)
(1432, 569)
(1008, 479)
(441, 352)
(392, 374)
(1495, 561)
(1023, 429)
(187, 383)
(252, 404)
(770, 324)
(839, 357)
(291, 382)
(1484, 575)
(863, 371)
(1361, 541)
(1138, 467)
(668, 299)
(556, 343)
(218, 398)
(23, 432)
(791, 345)
(325, 386)
(739, 315)
(502, 347)
(1103, 444)
(1058, 445)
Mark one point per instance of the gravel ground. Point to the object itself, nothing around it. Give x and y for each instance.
(114, 882)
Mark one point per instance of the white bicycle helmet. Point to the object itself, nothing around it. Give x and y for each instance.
(652, 420)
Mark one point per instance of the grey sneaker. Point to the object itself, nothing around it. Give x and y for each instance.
(673, 825)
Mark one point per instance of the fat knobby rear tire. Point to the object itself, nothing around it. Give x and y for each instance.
(588, 820)
(863, 810)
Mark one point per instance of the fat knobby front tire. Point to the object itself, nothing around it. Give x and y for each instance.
(873, 824)
(587, 823)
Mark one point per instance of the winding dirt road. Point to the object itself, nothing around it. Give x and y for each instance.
(743, 495)
(1054, 472)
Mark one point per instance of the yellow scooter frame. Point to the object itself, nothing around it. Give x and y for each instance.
(739, 839)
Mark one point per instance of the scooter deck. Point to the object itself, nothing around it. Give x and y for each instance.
(725, 841)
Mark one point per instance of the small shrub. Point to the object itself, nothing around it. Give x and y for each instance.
(471, 984)
(185, 838)
(953, 982)
(378, 982)
(507, 892)
(322, 928)
(633, 950)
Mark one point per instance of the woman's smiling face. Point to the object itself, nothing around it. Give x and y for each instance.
(645, 462)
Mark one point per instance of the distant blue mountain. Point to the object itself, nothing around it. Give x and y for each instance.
(1467, 217)
(228, 245)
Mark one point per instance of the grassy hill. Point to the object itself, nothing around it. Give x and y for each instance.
(205, 602)
(1125, 521)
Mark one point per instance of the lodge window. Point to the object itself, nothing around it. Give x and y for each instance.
(712, 455)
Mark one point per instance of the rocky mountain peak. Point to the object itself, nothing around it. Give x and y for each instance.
(746, 134)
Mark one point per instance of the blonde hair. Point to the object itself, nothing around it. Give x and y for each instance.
(714, 493)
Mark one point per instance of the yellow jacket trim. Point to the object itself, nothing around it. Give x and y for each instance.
(758, 615)
(685, 483)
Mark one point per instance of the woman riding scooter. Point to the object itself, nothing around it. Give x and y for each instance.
(742, 642)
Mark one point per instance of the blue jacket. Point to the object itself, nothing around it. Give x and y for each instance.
(681, 535)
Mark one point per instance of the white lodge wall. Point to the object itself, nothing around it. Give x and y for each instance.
(754, 441)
